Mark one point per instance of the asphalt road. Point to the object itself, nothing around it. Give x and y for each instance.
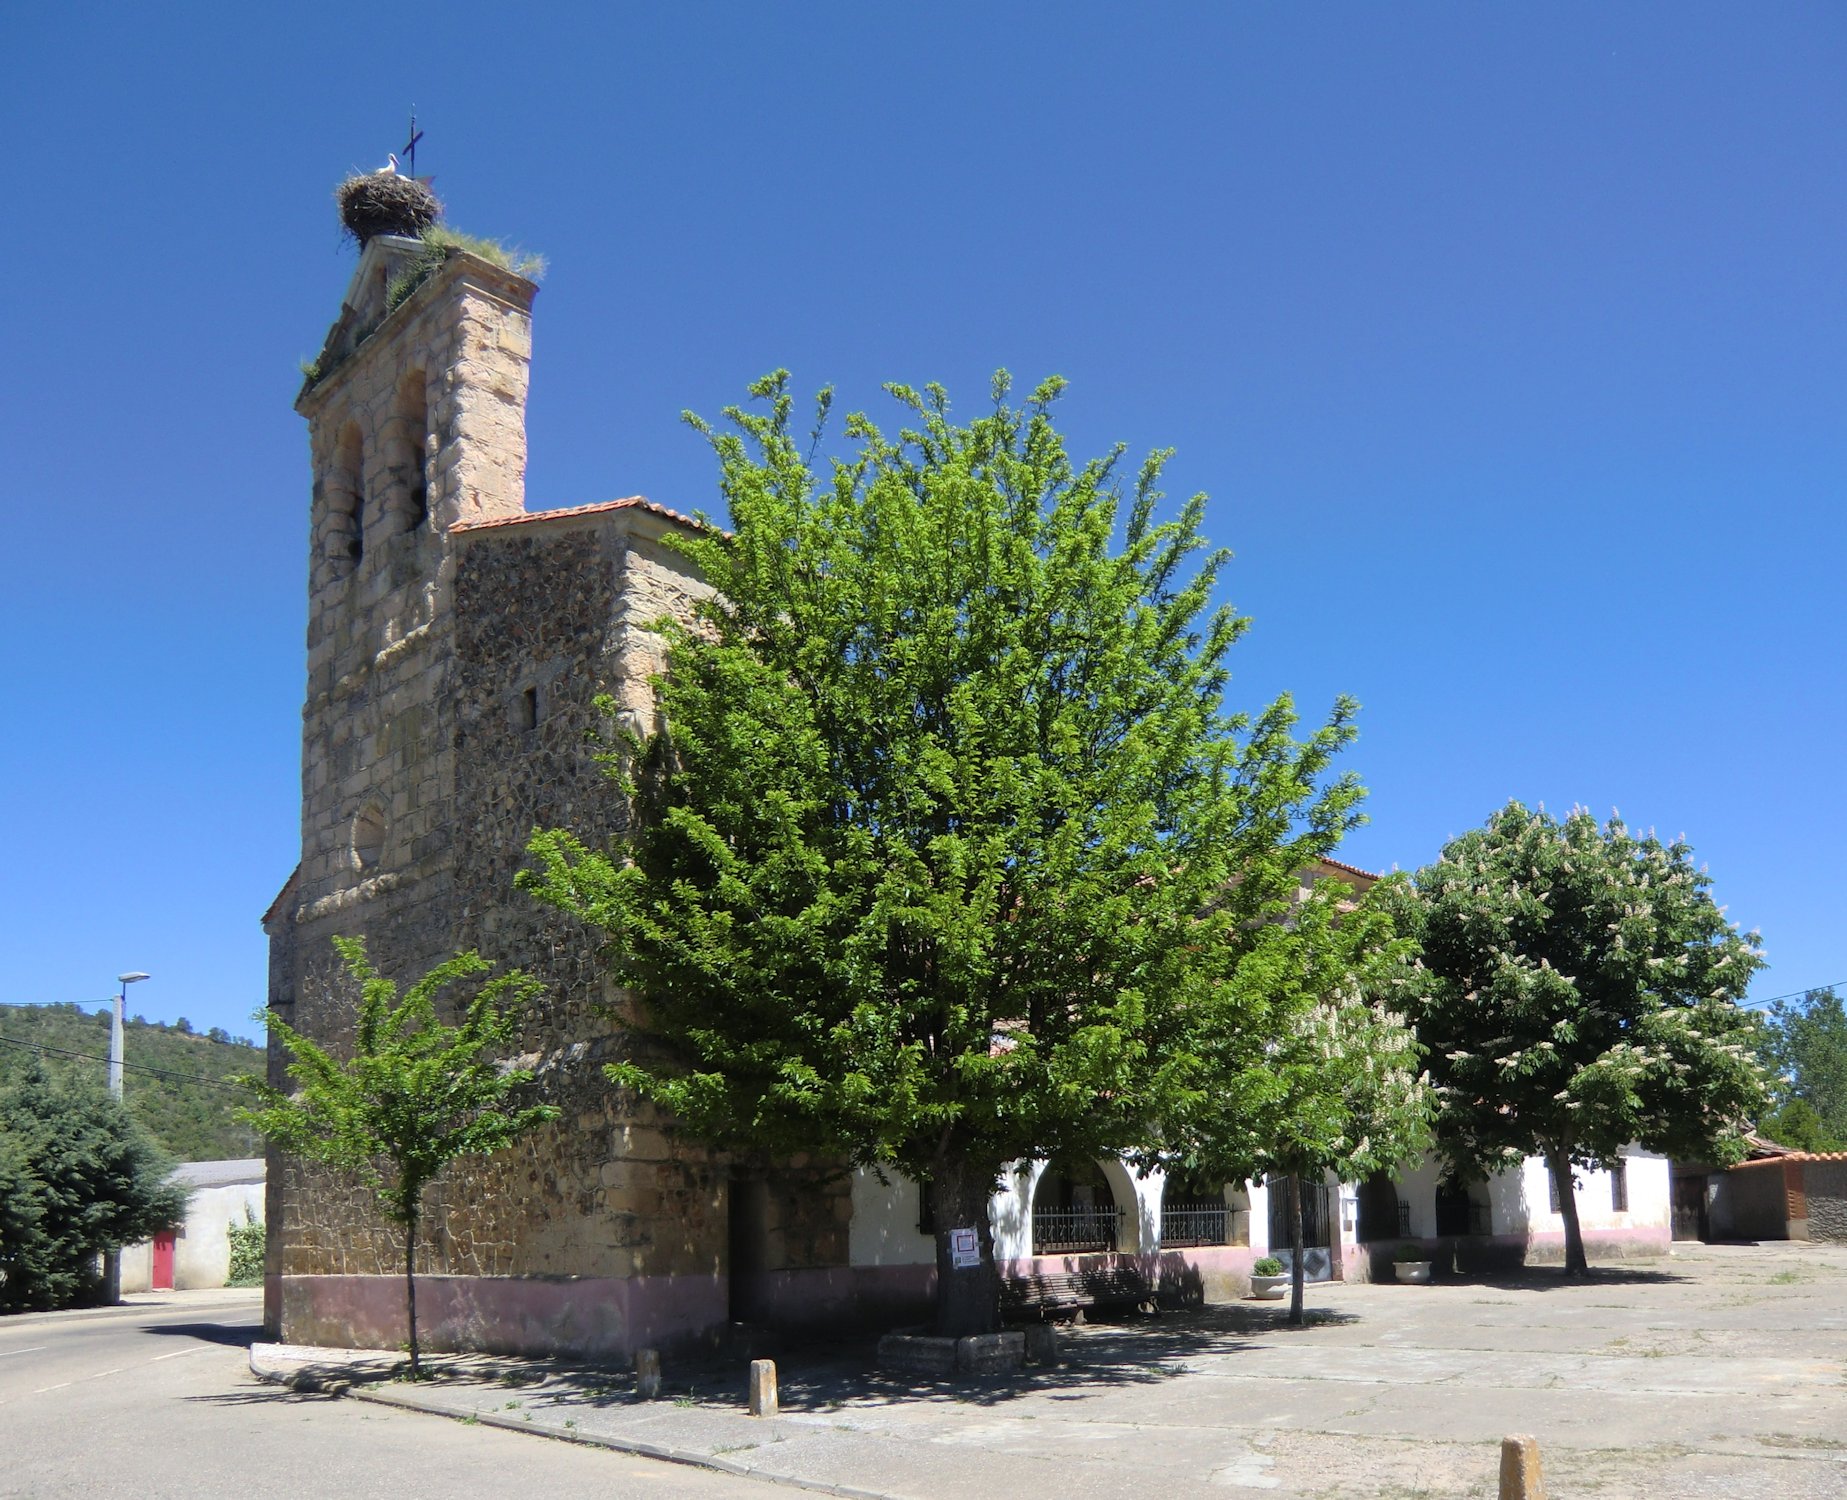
(156, 1399)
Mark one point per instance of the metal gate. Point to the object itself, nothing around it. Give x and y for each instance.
(1317, 1254)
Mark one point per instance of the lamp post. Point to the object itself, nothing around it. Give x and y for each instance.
(112, 1259)
(115, 1031)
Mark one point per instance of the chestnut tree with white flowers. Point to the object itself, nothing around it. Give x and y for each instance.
(1579, 993)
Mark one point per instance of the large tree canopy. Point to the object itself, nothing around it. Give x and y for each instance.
(1805, 1046)
(1580, 994)
(78, 1177)
(950, 849)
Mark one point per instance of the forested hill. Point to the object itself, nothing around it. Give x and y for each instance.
(169, 1081)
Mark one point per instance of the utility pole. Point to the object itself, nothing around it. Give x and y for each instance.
(112, 1259)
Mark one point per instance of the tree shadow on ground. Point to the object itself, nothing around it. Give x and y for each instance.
(831, 1375)
(231, 1335)
(263, 1395)
(1553, 1278)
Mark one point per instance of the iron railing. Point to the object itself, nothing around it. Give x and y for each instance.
(1196, 1224)
(1066, 1231)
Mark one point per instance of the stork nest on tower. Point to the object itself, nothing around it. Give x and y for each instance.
(376, 203)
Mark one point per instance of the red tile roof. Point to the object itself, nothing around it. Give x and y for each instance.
(1794, 1156)
(1350, 869)
(571, 512)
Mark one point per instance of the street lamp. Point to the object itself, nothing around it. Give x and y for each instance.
(115, 1030)
(112, 1259)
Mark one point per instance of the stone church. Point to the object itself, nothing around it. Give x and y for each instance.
(456, 644)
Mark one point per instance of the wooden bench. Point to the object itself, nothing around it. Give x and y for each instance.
(1071, 1293)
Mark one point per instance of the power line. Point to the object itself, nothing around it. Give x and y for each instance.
(1807, 989)
(217, 1083)
(101, 1008)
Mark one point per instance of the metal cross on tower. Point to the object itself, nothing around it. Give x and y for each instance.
(410, 147)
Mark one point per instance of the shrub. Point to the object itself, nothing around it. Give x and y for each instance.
(1268, 1266)
(1407, 1254)
(246, 1251)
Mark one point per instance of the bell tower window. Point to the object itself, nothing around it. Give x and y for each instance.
(344, 525)
(408, 455)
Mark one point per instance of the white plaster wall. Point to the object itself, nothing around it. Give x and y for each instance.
(1259, 1193)
(1650, 1195)
(1417, 1188)
(1509, 1201)
(1010, 1211)
(202, 1254)
(1140, 1200)
(883, 1231)
(138, 1266)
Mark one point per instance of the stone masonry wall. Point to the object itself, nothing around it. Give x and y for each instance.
(453, 667)
(1825, 1183)
(378, 731)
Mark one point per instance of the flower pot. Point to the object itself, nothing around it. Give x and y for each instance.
(1269, 1288)
(1415, 1272)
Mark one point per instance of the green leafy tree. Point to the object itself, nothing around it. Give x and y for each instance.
(1580, 993)
(1795, 1123)
(1340, 1089)
(950, 849)
(173, 1081)
(1806, 1049)
(416, 1094)
(78, 1178)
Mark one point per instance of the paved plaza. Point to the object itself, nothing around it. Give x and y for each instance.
(1720, 1371)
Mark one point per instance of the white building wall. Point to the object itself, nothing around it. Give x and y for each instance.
(884, 1230)
(1417, 1189)
(1012, 1210)
(202, 1251)
(202, 1254)
(1650, 1196)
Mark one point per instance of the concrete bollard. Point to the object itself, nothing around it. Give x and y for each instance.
(763, 1387)
(647, 1373)
(1041, 1343)
(1520, 1476)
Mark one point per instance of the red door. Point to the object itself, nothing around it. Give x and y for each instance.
(163, 1263)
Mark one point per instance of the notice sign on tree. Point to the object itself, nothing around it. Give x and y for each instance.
(964, 1249)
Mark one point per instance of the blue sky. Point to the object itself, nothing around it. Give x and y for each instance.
(1510, 343)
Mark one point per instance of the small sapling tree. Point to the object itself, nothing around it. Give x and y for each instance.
(1339, 1088)
(1579, 992)
(416, 1094)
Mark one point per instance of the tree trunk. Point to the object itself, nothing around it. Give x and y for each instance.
(1558, 1162)
(410, 1290)
(1295, 1249)
(967, 1297)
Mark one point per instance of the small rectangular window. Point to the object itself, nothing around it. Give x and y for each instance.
(1619, 1187)
(529, 709)
(926, 1211)
(1552, 1182)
